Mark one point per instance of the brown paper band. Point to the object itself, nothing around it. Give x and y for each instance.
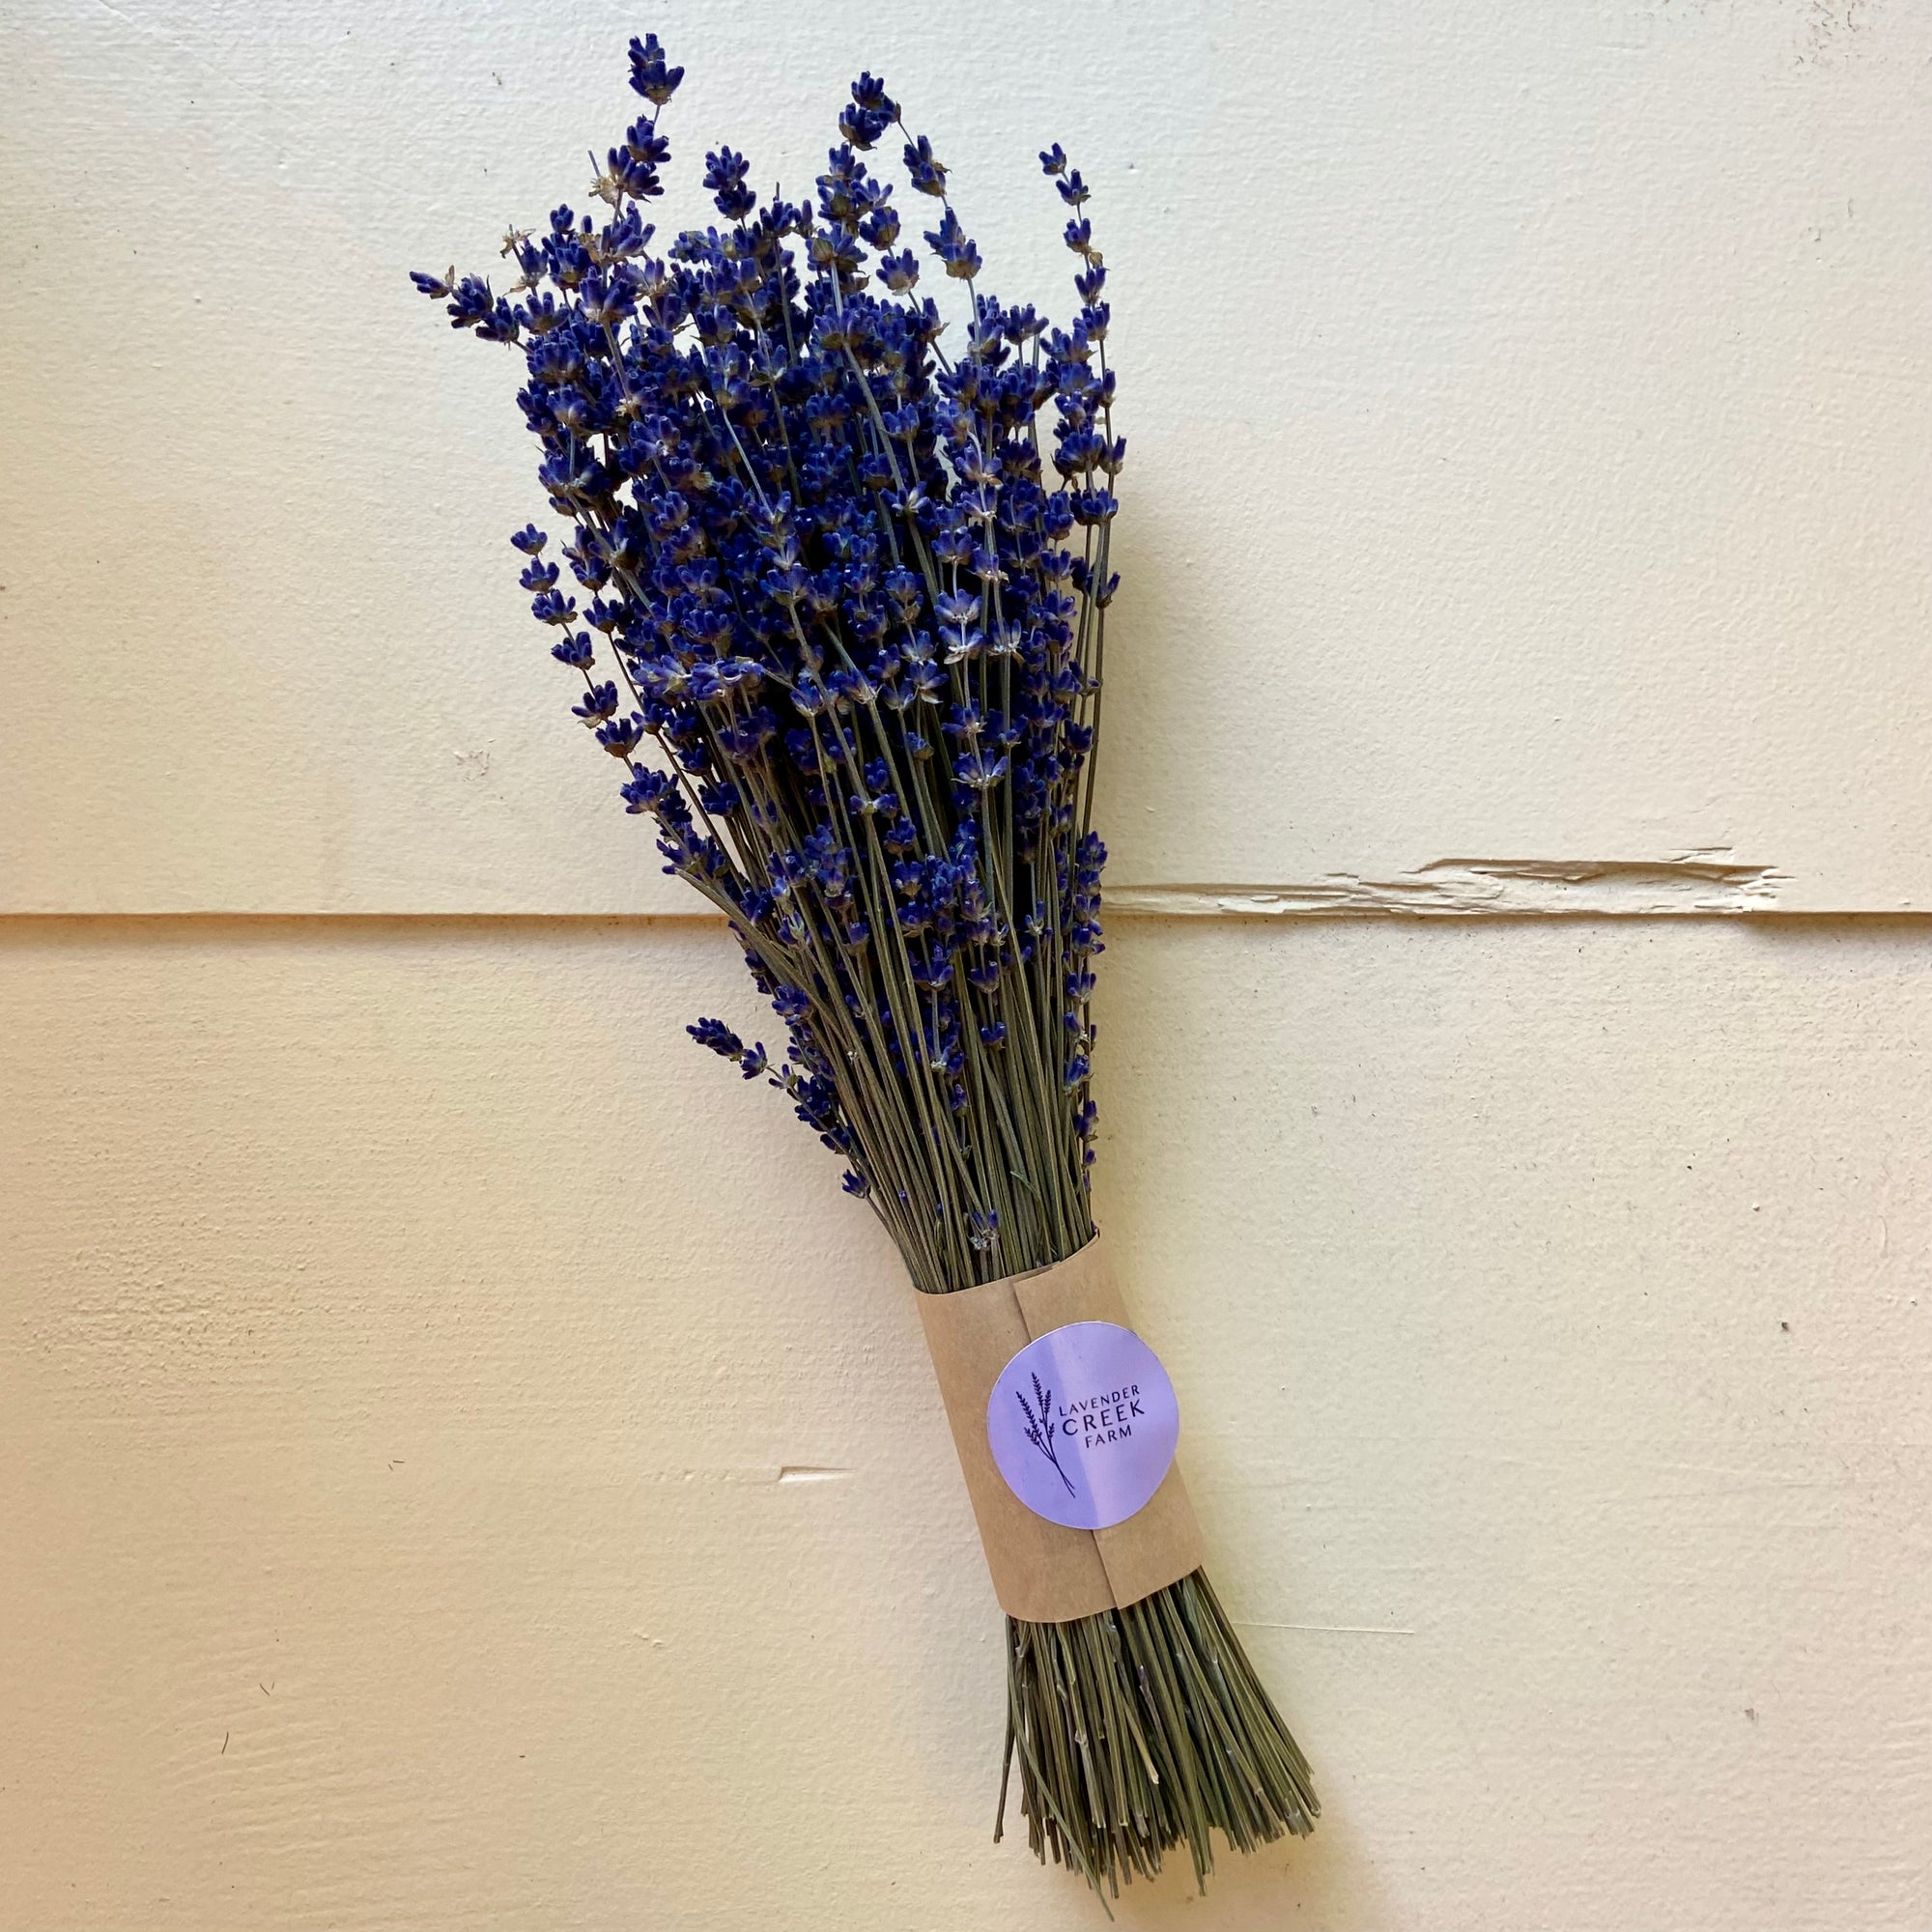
(1042, 1572)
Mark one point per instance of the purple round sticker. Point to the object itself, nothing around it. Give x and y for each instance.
(1083, 1424)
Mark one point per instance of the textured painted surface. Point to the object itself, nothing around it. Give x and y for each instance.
(1529, 416)
(462, 1465)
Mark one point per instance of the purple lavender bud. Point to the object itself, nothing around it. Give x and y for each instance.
(649, 76)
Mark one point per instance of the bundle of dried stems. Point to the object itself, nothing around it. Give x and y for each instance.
(845, 632)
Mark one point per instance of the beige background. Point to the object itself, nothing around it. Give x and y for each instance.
(462, 1464)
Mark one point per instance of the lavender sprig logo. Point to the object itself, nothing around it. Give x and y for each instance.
(1092, 1403)
(1039, 1427)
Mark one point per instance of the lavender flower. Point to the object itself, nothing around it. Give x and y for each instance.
(847, 562)
(844, 559)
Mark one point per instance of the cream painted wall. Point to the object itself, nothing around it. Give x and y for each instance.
(462, 1465)
(409, 1340)
(1529, 418)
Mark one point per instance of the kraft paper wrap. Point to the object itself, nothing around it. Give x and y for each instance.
(1041, 1570)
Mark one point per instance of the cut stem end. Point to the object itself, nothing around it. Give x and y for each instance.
(1143, 1728)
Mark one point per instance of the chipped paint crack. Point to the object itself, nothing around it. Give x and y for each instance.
(1702, 883)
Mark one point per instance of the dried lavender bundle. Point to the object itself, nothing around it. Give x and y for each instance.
(832, 586)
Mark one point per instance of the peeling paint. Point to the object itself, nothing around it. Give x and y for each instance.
(1702, 884)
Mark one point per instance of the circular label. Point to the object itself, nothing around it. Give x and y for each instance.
(1083, 1424)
